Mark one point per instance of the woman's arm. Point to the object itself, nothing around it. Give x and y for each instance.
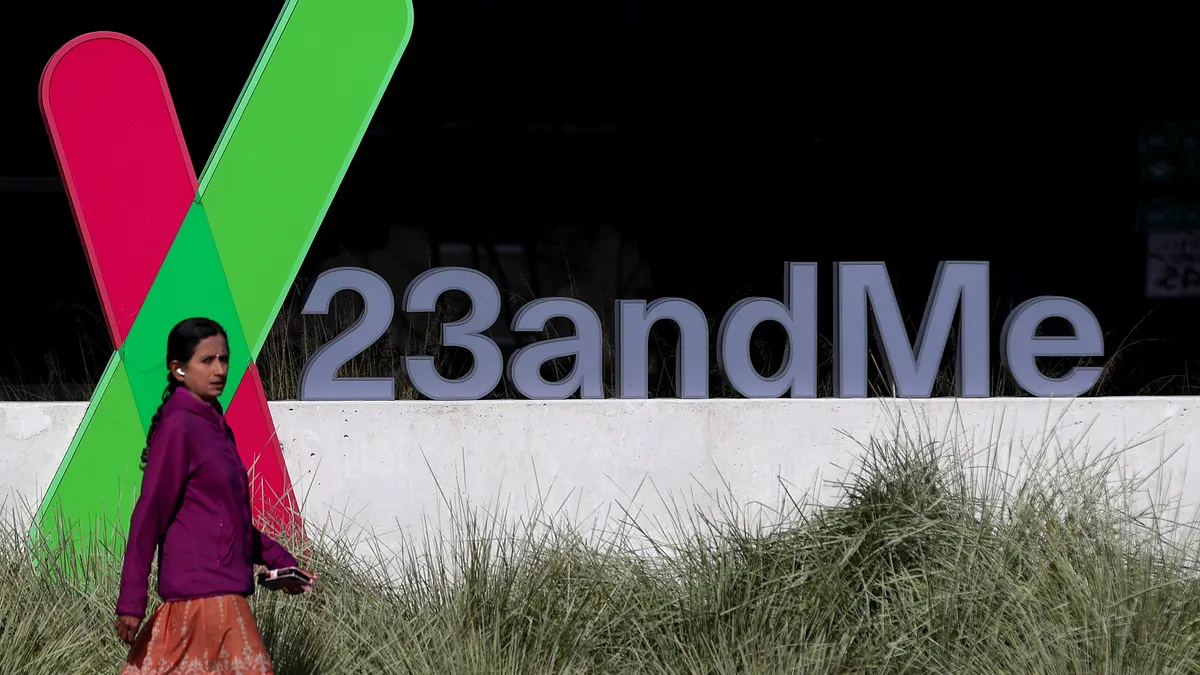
(271, 553)
(162, 488)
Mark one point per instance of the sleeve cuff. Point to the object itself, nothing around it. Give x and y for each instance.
(126, 609)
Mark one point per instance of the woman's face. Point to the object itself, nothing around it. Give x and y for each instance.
(205, 374)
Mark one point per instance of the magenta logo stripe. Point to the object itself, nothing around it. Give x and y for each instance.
(130, 181)
(123, 160)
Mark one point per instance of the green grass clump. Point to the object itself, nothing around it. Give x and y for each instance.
(924, 564)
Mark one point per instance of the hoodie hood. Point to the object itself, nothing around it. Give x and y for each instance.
(182, 399)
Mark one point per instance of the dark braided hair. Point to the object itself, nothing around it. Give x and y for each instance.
(181, 346)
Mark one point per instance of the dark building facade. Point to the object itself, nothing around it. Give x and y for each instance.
(634, 149)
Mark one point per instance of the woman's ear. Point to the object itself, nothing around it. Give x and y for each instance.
(176, 370)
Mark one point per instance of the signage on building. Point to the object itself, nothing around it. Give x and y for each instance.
(224, 244)
(862, 293)
(1173, 264)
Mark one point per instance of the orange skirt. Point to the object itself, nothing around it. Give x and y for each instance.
(209, 635)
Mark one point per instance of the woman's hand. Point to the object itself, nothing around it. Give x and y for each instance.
(297, 589)
(127, 628)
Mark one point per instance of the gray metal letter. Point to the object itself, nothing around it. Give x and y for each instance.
(319, 380)
(634, 319)
(421, 296)
(1021, 345)
(912, 376)
(798, 316)
(524, 366)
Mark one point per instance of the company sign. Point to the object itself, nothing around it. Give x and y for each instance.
(862, 292)
(165, 244)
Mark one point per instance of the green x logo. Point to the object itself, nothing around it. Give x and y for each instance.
(164, 245)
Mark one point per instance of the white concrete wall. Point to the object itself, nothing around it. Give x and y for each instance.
(390, 467)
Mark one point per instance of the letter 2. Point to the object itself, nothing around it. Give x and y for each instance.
(319, 380)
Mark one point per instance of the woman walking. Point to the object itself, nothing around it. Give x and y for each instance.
(195, 509)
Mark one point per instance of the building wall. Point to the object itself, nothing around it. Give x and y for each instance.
(392, 467)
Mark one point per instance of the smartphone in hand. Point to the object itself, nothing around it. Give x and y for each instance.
(287, 577)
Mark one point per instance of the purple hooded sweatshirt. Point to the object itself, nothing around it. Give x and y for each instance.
(195, 508)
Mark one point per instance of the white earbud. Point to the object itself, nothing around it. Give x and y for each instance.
(180, 371)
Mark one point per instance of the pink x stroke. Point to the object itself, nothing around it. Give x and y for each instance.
(126, 169)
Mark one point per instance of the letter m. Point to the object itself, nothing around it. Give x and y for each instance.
(862, 288)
